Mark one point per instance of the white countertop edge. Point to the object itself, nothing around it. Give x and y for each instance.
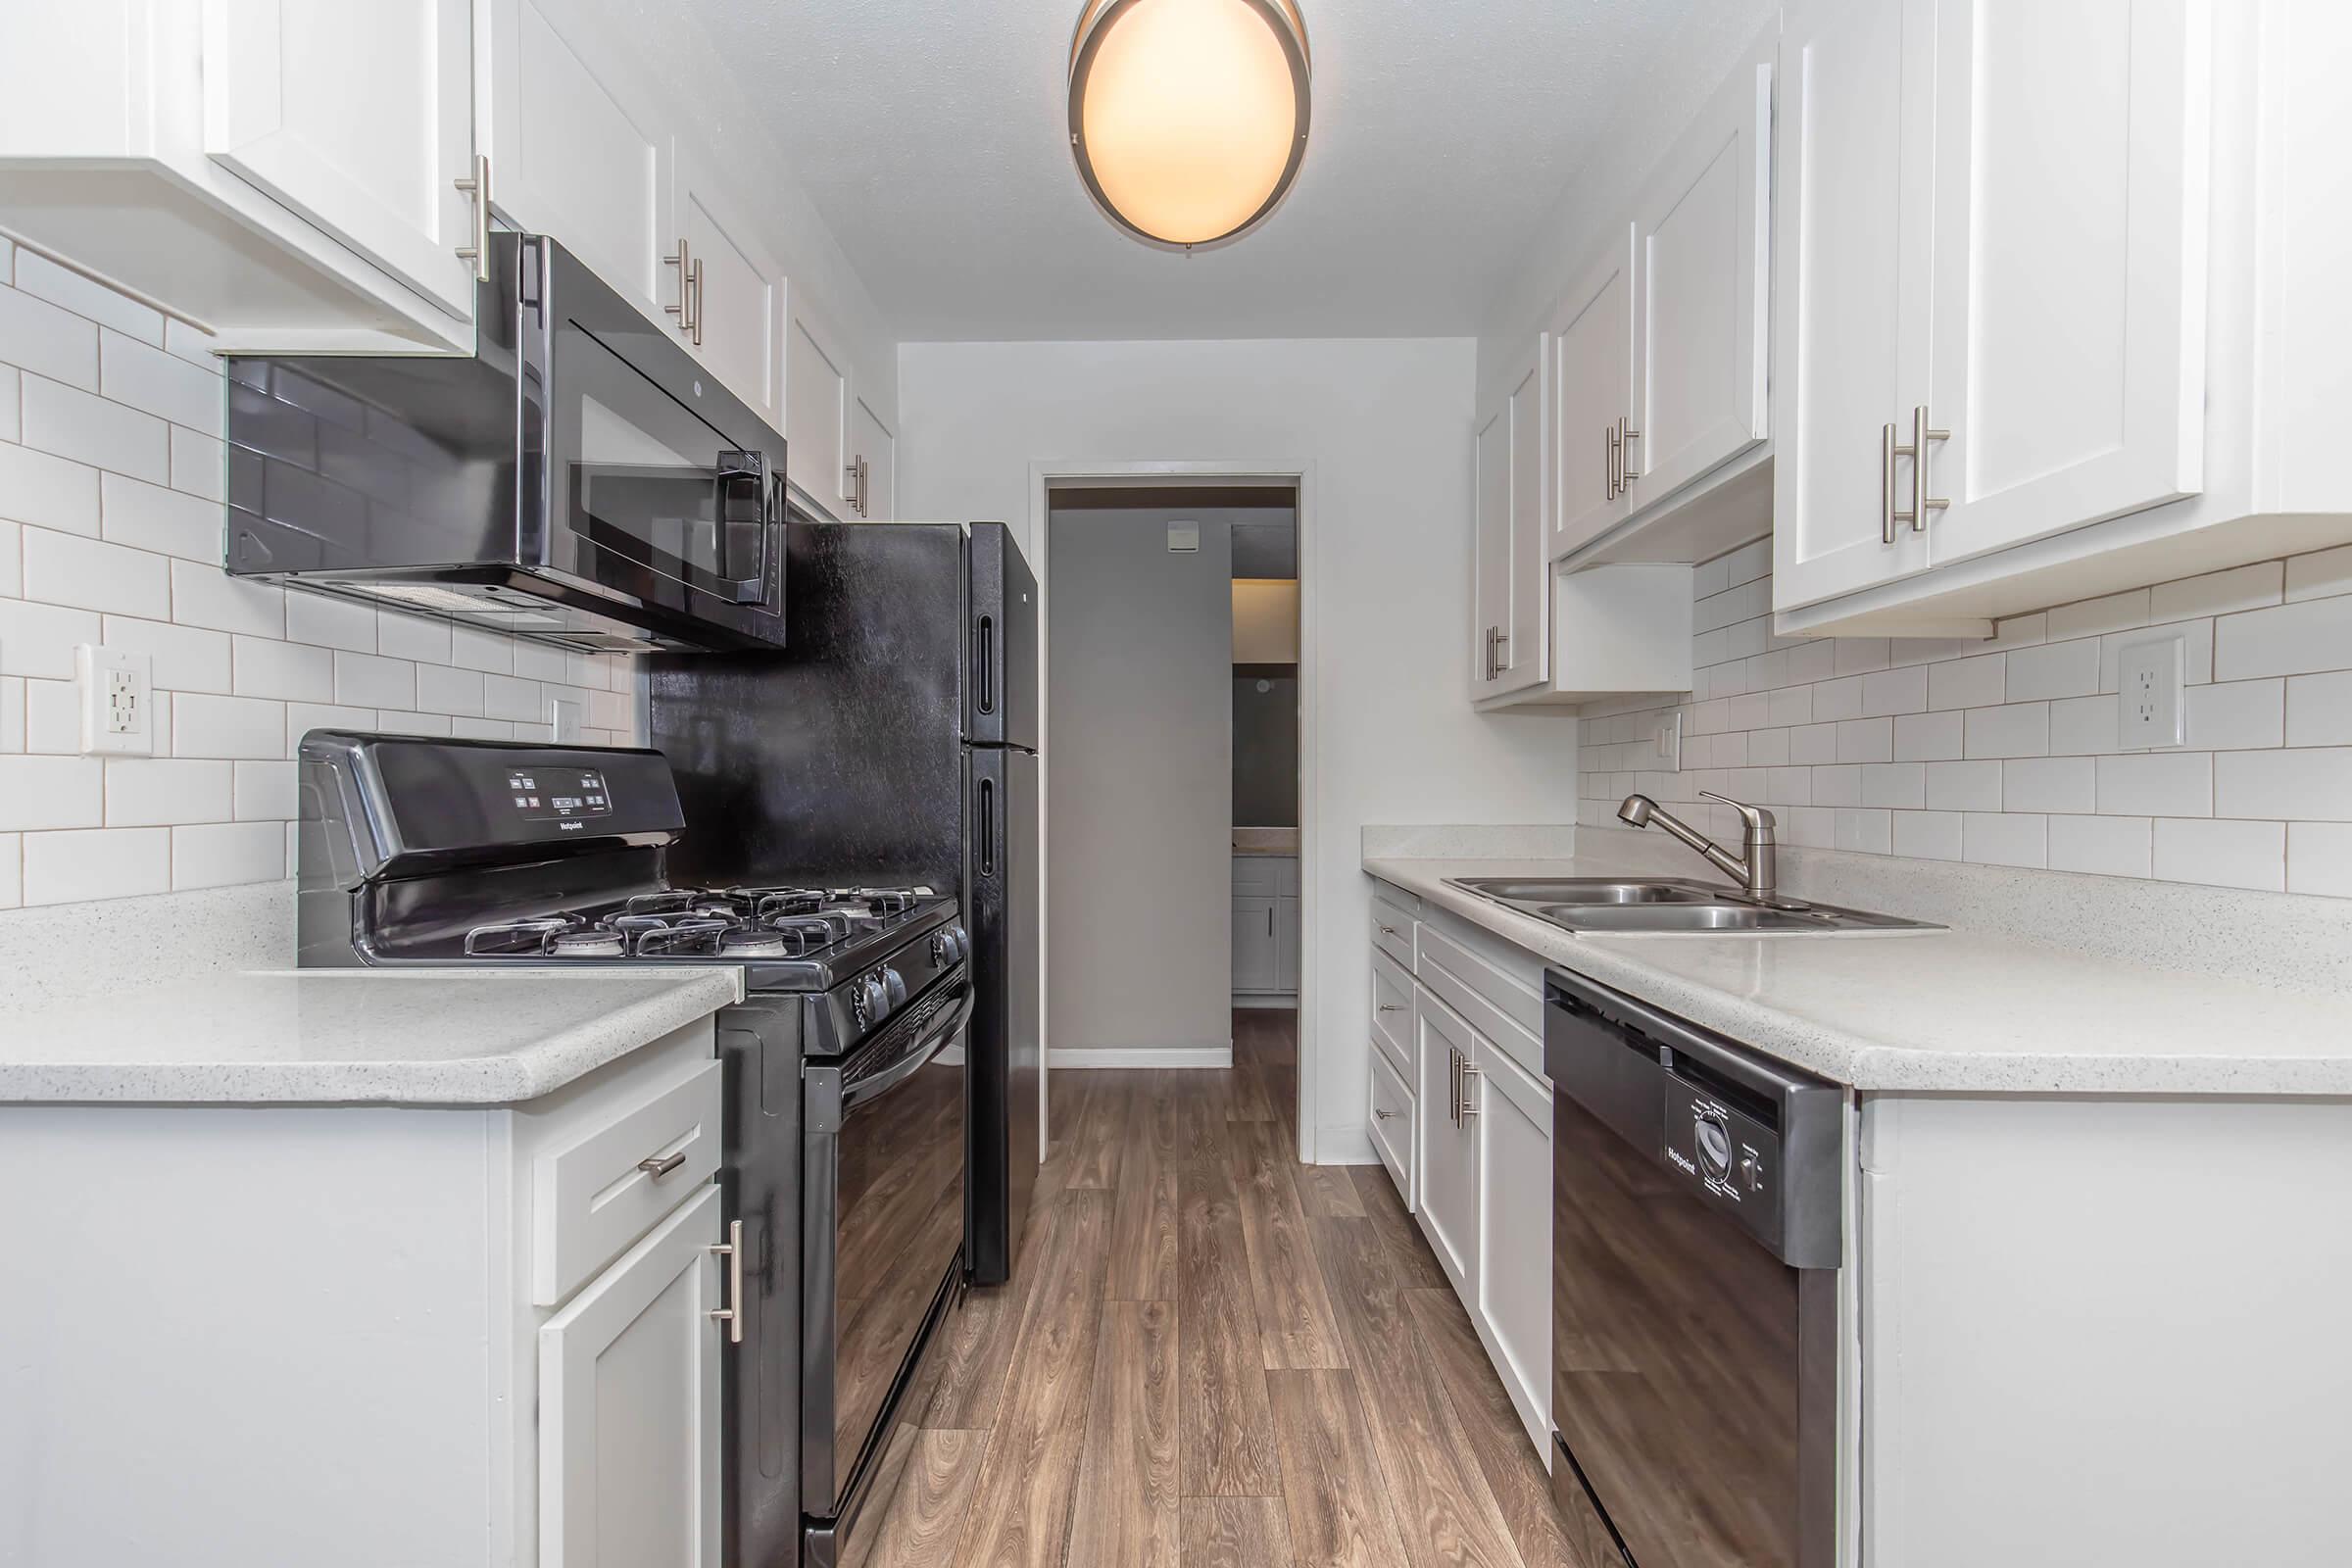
(513, 1073)
(1873, 1065)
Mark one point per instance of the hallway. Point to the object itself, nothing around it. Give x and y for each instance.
(1214, 1357)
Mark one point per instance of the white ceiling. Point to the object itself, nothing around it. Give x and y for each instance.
(931, 134)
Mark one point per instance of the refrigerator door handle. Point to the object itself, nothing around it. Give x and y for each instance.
(984, 664)
(987, 828)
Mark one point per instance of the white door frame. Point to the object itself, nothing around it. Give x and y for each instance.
(1042, 476)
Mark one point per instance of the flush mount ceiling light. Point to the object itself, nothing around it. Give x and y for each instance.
(1189, 117)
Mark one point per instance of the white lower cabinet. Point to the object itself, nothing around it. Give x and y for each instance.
(1449, 1212)
(628, 1404)
(1512, 1112)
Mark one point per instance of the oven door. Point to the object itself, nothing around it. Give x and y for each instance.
(1684, 1354)
(882, 1233)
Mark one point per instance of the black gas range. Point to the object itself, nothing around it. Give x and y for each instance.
(842, 1062)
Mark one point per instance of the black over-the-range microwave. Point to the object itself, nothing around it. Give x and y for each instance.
(579, 479)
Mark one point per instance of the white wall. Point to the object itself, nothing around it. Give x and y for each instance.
(1139, 687)
(1385, 427)
(110, 533)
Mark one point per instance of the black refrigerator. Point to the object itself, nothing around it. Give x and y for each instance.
(892, 741)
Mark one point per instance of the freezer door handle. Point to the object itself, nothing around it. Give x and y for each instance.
(987, 828)
(984, 665)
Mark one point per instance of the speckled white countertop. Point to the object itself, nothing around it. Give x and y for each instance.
(423, 1037)
(1941, 1011)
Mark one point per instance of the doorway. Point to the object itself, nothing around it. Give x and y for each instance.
(1164, 737)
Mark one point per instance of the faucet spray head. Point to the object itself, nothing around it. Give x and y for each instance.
(1636, 810)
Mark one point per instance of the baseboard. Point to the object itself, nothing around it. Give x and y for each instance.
(1348, 1143)
(1277, 1004)
(1083, 1058)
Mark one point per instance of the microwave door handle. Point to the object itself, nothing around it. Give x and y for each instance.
(734, 469)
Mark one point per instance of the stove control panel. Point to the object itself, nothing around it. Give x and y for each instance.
(559, 793)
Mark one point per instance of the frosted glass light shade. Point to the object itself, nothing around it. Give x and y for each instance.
(1189, 118)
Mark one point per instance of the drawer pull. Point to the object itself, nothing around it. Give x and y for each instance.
(658, 1165)
(1388, 930)
(732, 1313)
(1391, 1007)
(1384, 1116)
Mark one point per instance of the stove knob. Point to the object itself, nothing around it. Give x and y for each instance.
(869, 1001)
(894, 986)
(961, 940)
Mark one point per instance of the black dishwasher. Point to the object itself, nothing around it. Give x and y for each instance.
(1695, 1240)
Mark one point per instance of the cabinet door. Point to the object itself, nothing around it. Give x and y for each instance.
(2069, 298)
(1702, 296)
(358, 115)
(1851, 233)
(1254, 955)
(1510, 1112)
(1286, 946)
(629, 1406)
(816, 409)
(1508, 593)
(1448, 1151)
(1592, 392)
(1490, 547)
(575, 158)
(736, 288)
(873, 453)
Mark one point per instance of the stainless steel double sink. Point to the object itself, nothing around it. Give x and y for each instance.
(1672, 906)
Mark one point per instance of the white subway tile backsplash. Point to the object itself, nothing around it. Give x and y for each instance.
(2312, 785)
(162, 384)
(2083, 726)
(2296, 639)
(207, 596)
(37, 274)
(40, 793)
(53, 492)
(1837, 786)
(1964, 786)
(2053, 669)
(1867, 832)
(326, 621)
(2104, 846)
(482, 729)
(1866, 740)
(2237, 854)
(367, 681)
(1927, 737)
(38, 640)
(2050, 784)
(111, 488)
(1928, 835)
(2319, 710)
(2235, 716)
(87, 428)
(2219, 593)
(149, 516)
(504, 697)
(1977, 682)
(66, 569)
(111, 863)
(2156, 784)
(1837, 699)
(2004, 839)
(160, 791)
(219, 855)
(1894, 691)
(48, 339)
(2015, 729)
(2319, 857)
(1902, 785)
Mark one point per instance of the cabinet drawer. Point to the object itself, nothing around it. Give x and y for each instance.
(1393, 1009)
(1393, 1122)
(1505, 1005)
(593, 1197)
(1392, 933)
(1255, 874)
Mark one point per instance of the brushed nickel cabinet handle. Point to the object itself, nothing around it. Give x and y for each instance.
(1468, 1111)
(657, 1166)
(1921, 435)
(684, 309)
(1612, 459)
(477, 186)
(696, 327)
(1390, 1007)
(1383, 1115)
(1454, 1102)
(1886, 451)
(731, 1314)
(1626, 436)
(1388, 931)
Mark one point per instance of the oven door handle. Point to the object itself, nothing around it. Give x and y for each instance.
(864, 1091)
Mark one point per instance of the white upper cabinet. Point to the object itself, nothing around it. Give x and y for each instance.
(577, 158)
(2068, 299)
(732, 311)
(872, 468)
(1856, 122)
(1703, 291)
(816, 404)
(1507, 597)
(357, 116)
(1593, 401)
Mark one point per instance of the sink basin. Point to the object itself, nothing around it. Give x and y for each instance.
(1672, 906)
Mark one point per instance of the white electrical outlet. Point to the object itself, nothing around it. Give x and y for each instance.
(118, 702)
(1666, 741)
(2151, 674)
(563, 720)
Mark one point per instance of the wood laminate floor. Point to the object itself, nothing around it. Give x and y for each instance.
(1213, 1356)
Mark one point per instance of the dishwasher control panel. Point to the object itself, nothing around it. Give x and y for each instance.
(1721, 1152)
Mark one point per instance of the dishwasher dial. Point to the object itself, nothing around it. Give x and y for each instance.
(1714, 1147)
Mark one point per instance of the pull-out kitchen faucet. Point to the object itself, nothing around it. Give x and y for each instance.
(1757, 874)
